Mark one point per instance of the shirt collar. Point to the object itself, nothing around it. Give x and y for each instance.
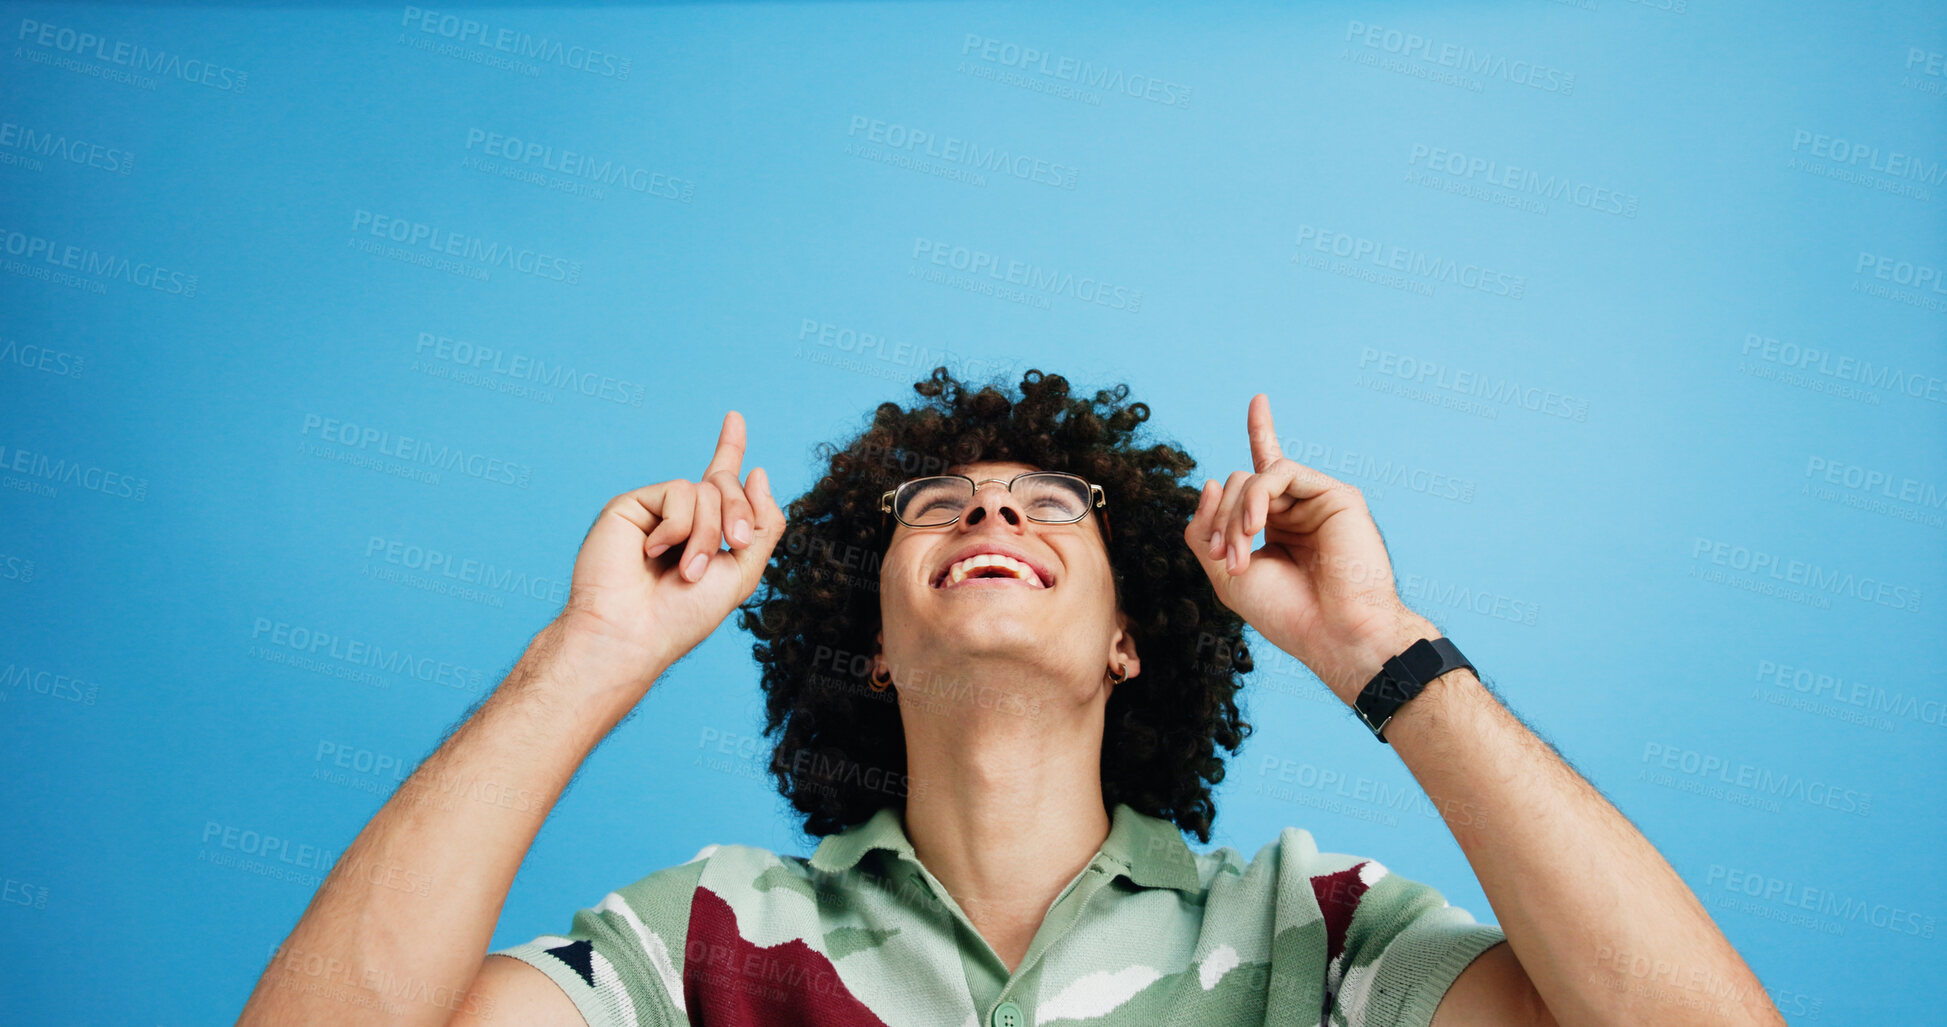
(1148, 850)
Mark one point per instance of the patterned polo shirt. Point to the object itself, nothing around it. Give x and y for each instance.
(1148, 933)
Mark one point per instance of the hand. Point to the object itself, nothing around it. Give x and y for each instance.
(1321, 589)
(650, 582)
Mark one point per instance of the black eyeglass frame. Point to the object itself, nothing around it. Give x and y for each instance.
(1099, 506)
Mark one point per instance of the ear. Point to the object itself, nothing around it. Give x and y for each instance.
(1122, 648)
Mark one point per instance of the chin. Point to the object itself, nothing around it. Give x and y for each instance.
(995, 636)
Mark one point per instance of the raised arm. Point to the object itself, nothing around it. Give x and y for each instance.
(399, 929)
(1598, 922)
(1600, 929)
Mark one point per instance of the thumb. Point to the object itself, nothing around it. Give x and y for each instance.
(764, 534)
(1197, 533)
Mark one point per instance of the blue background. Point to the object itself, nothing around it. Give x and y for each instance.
(1557, 492)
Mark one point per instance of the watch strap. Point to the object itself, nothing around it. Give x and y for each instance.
(1403, 677)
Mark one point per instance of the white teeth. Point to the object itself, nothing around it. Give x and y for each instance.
(959, 571)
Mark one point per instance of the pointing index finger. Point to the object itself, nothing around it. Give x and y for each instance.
(730, 447)
(1264, 438)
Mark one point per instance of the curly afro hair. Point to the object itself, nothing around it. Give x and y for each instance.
(841, 755)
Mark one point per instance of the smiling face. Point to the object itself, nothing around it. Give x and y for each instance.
(1031, 599)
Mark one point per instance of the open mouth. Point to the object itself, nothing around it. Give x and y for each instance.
(989, 570)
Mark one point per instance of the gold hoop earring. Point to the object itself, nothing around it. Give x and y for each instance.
(1119, 675)
(879, 683)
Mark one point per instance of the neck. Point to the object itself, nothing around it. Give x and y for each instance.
(1005, 806)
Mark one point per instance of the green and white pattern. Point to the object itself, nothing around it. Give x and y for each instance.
(1149, 933)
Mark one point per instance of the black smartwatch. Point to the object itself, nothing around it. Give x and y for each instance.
(1402, 678)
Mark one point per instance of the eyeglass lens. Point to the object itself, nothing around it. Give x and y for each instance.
(1047, 497)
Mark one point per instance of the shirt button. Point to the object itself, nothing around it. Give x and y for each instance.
(1007, 1014)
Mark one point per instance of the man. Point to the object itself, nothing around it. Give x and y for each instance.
(1053, 729)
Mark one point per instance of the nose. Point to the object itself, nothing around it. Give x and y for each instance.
(995, 500)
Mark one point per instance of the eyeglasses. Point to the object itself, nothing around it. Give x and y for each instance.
(1049, 497)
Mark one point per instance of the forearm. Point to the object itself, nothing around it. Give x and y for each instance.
(400, 926)
(1606, 930)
